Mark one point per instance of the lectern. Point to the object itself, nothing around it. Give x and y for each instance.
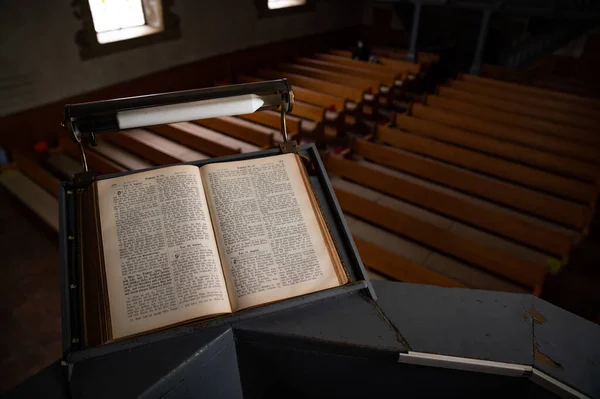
(407, 341)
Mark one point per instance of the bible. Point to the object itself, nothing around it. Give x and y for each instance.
(184, 243)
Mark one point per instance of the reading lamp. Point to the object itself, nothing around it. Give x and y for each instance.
(88, 119)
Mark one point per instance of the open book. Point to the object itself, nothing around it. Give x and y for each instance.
(182, 243)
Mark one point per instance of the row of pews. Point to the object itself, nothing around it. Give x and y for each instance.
(509, 192)
(482, 184)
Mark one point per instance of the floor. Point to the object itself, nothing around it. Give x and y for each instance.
(30, 330)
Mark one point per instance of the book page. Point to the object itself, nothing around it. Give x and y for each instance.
(161, 258)
(271, 244)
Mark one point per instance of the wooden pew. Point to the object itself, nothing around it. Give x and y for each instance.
(319, 108)
(119, 156)
(525, 137)
(425, 258)
(372, 93)
(273, 120)
(337, 104)
(307, 95)
(373, 275)
(401, 269)
(326, 122)
(154, 147)
(312, 105)
(63, 165)
(488, 258)
(550, 241)
(402, 54)
(392, 54)
(388, 62)
(398, 72)
(335, 89)
(366, 84)
(35, 186)
(205, 140)
(309, 111)
(451, 224)
(474, 277)
(545, 206)
(356, 101)
(388, 79)
(526, 176)
(516, 108)
(95, 160)
(236, 127)
(580, 135)
(423, 254)
(37, 173)
(191, 135)
(384, 87)
(526, 99)
(537, 91)
(504, 149)
(38, 200)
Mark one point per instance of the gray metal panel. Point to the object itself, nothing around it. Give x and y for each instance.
(567, 347)
(353, 321)
(212, 373)
(345, 347)
(270, 370)
(141, 369)
(211, 324)
(65, 298)
(468, 323)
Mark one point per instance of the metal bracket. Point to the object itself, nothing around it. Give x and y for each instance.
(289, 147)
(84, 179)
(292, 147)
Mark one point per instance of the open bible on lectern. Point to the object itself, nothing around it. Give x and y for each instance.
(181, 243)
